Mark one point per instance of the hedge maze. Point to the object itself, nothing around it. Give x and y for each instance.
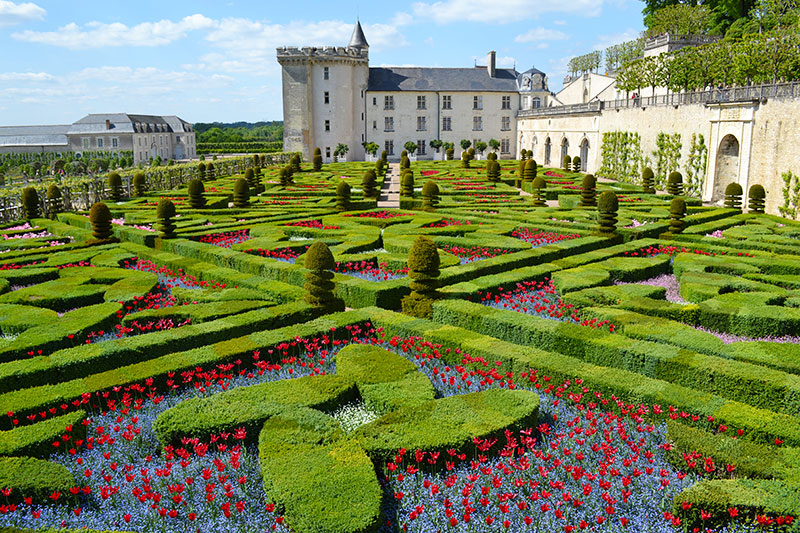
(583, 355)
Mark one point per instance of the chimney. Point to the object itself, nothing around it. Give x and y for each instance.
(108, 124)
(490, 66)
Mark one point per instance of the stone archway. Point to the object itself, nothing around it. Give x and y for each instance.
(564, 149)
(727, 168)
(584, 154)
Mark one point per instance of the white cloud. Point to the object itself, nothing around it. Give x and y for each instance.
(604, 41)
(11, 13)
(99, 34)
(491, 11)
(25, 76)
(540, 34)
(505, 62)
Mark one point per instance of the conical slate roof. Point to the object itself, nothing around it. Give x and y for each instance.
(358, 40)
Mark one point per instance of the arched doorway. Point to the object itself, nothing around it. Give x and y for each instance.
(584, 154)
(727, 166)
(564, 149)
(547, 147)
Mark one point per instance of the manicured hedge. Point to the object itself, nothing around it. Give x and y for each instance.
(37, 439)
(34, 478)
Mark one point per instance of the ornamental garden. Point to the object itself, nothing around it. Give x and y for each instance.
(259, 347)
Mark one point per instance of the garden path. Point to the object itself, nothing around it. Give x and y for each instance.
(390, 192)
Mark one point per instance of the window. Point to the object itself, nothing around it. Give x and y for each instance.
(374, 100)
(505, 146)
(328, 152)
(99, 142)
(140, 141)
(537, 103)
(85, 142)
(506, 102)
(421, 147)
(327, 97)
(447, 124)
(447, 102)
(327, 125)
(388, 102)
(421, 125)
(421, 102)
(477, 102)
(374, 124)
(388, 123)
(389, 147)
(326, 73)
(477, 124)
(505, 123)
(524, 102)
(115, 141)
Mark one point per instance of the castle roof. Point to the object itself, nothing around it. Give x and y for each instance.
(358, 40)
(441, 79)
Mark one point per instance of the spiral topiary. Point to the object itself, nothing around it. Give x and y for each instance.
(538, 190)
(55, 202)
(250, 178)
(241, 193)
(448, 154)
(423, 271)
(588, 191)
(139, 185)
(430, 196)
(757, 197)
(566, 162)
(607, 207)
(196, 190)
(405, 162)
(648, 181)
(295, 163)
(165, 212)
(201, 171)
(368, 183)
(115, 186)
(675, 183)
(210, 171)
(342, 197)
(530, 171)
(493, 171)
(520, 169)
(677, 210)
(407, 183)
(30, 203)
(319, 283)
(100, 218)
(576, 164)
(733, 196)
(317, 160)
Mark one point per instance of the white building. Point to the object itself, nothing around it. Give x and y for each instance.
(331, 96)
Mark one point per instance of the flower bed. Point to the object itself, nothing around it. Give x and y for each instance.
(368, 270)
(379, 215)
(471, 254)
(287, 255)
(314, 224)
(539, 238)
(226, 239)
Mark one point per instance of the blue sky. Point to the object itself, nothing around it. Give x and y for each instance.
(215, 61)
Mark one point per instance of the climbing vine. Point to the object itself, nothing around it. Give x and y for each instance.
(791, 195)
(667, 157)
(621, 153)
(695, 169)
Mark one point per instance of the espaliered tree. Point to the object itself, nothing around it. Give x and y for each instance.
(423, 273)
(165, 212)
(342, 197)
(100, 218)
(317, 160)
(588, 191)
(139, 185)
(757, 196)
(733, 196)
(677, 210)
(241, 193)
(538, 188)
(493, 171)
(368, 183)
(55, 202)
(319, 283)
(30, 203)
(530, 170)
(607, 207)
(648, 184)
(197, 199)
(201, 171)
(430, 196)
(566, 162)
(675, 183)
(576, 164)
(115, 186)
(407, 183)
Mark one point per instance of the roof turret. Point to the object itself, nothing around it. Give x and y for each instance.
(358, 40)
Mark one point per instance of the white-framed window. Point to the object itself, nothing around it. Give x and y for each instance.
(477, 102)
(85, 142)
(477, 123)
(422, 124)
(505, 146)
(388, 145)
(447, 124)
(505, 124)
(421, 102)
(115, 142)
(447, 102)
(388, 123)
(327, 125)
(327, 97)
(326, 73)
(537, 103)
(388, 103)
(506, 103)
(99, 142)
(421, 146)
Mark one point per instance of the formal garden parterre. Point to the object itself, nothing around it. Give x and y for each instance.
(515, 348)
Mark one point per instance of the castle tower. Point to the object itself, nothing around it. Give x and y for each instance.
(324, 97)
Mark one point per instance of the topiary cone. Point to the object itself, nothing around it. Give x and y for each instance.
(241, 193)
(55, 202)
(566, 162)
(100, 218)
(30, 203)
(588, 191)
(407, 184)
(675, 183)
(538, 190)
(250, 178)
(423, 272)
(607, 207)
(319, 283)
(368, 183)
(317, 160)
(530, 170)
(677, 210)
(757, 197)
(733, 196)
(576, 164)
(115, 186)
(430, 196)
(165, 212)
(342, 197)
(648, 185)
(139, 184)
(196, 190)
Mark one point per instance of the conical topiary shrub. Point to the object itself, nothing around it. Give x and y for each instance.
(407, 184)
(100, 218)
(491, 156)
(139, 185)
(30, 203)
(530, 170)
(675, 183)
(368, 183)
(250, 178)
(493, 171)
(196, 190)
(566, 162)
(284, 177)
(405, 162)
(317, 160)
(55, 202)
(342, 197)
(757, 197)
(201, 171)
(380, 169)
(607, 207)
(576, 164)
(430, 196)
(295, 162)
(210, 171)
(733, 196)
(384, 156)
(677, 210)
(449, 154)
(520, 170)
(241, 193)
(464, 159)
(648, 181)
(165, 212)
(588, 191)
(538, 188)
(423, 271)
(319, 284)
(115, 186)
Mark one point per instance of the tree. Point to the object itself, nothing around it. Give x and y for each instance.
(30, 203)
(55, 202)
(677, 210)
(342, 197)
(241, 193)
(436, 144)
(317, 160)
(538, 188)
(494, 144)
(165, 212)
(423, 272)
(465, 143)
(410, 147)
(115, 184)
(679, 19)
(368, 184)
(371, 148)
(139, 185)
(607, 207)
(480, 146)
(430, 196)
(100, 218)
(340, 151)
(319, 283)
(196, 191)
